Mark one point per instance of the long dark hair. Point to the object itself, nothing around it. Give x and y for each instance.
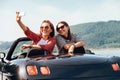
(51, 26)
(66, 24)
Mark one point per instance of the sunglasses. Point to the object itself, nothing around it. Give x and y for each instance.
(46, 27)
(61, 27)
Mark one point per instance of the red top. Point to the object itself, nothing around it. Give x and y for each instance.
(36, 37)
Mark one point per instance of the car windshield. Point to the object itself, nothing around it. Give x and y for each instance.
(17, 51)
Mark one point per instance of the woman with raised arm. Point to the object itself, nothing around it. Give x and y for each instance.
(45, 40)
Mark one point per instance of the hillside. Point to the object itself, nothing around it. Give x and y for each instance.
(99, 34)
(94, 34)
(5, 45)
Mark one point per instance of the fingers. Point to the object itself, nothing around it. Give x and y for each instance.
(71, 49)
(24, 46)
(18, 18)
(17, 12)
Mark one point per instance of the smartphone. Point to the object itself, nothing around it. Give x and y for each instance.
(22, 14)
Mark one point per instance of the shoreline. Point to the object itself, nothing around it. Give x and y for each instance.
(104, 48)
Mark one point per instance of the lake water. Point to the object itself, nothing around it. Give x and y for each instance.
(106, 52)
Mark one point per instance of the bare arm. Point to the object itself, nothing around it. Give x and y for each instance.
(67, 46)
(77, 44)
(70, 47)
(18, 19)
(25, 46)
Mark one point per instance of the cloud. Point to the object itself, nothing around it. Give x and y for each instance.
(108, 10)
(36, 12)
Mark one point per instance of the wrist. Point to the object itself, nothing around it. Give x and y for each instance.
(71, 49)
(30, 46)
(74, 45)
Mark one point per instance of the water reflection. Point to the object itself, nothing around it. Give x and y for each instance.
(107, 52)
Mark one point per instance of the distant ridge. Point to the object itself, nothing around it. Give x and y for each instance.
(99, 34)
(95, 34)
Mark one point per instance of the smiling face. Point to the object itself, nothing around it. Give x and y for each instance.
(45, 29)
(62, 29)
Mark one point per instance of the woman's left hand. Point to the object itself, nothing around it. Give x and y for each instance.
(71, 49)
(24, 46)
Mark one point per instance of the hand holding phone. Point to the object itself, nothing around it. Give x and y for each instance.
(21, 13)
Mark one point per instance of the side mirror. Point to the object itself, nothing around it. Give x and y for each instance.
(2, 56)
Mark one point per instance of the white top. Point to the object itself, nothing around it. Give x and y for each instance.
(42, 42)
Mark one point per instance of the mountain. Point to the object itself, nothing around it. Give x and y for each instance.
(95, 34)
(5, 45)
(99, 34)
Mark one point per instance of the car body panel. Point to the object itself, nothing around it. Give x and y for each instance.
(61, 67)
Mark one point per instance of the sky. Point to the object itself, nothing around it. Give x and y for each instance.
(72, 11)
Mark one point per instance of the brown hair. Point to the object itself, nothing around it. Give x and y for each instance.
(51, 26)
(66, 24)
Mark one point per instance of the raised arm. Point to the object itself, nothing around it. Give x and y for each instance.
(18, 19)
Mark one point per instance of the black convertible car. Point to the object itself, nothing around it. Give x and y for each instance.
(23, 65)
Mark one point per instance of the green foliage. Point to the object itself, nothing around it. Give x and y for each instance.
(5, 45)
(99, 34)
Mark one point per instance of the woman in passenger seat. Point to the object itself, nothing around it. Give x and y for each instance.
(68, 42)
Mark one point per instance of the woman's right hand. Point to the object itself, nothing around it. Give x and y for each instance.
(18, 18)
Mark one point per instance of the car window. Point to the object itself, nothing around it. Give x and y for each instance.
(17, 51)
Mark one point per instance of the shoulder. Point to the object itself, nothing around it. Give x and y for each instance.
(73, 34)
(58, 36)
(52, 39)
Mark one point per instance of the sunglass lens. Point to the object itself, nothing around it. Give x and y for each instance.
(60, 28)
(46, 27)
